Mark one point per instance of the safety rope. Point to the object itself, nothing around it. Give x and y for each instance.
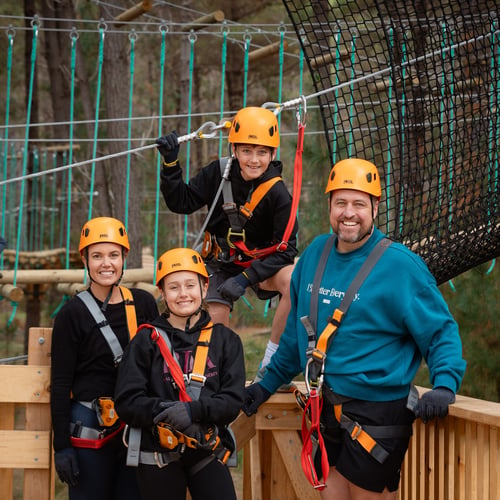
(192, 40)
(74, 39)
(132, 37)
(10, 35)
(102, 31)
(225, 31)
(163, 31)
(247, 38)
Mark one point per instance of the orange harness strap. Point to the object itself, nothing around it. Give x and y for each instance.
(130, 311)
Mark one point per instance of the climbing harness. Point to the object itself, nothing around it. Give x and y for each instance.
(104, 406)
(239, 216)
(312, 401)
(189, 387)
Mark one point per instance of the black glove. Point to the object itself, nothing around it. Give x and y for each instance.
(255, 395)
(233, 288)
(168, 147)
(175, 413)
(66, 465)
(434, 404)
(196, 431)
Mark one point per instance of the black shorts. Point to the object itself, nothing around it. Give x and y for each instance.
(351, 459)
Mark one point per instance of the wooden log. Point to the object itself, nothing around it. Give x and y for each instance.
(37, 276)
(134, 12)
(215, 17)
(11, 292)
(266, 51)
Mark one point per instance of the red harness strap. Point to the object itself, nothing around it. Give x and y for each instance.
(313, 410)
(172, 364)
(95, 444)
(258, 253)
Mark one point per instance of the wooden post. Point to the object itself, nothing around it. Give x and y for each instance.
(38, 481)
(11, 292)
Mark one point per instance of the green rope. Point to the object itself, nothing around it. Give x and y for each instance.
(492, 265)
(132, 37)
(351, 91)
(53, 204)
(33, 202)
(102, 30)
(163, 31)
(225, 31)
(450, 134)
(336, 99)
(192, 39)
(389, 135)
(25, 156)
(442, 119)
(5, 150)
(282, 30)
(43, 193)
(247, 38)
(494, 127)
(403, 112)
(74, 39)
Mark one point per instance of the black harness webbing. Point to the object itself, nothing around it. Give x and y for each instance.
(86, 297)
(318, 347)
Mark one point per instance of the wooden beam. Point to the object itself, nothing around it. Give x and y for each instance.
(38, 276)
(266, 51)
(134, 12)
(215, 17)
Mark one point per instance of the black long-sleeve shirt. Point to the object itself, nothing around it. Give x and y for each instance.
(82, 361)
(265, 228)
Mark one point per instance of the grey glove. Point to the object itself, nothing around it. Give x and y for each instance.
(175, 413)
(66, 465)
(434, 404)
(255, 395)
(233, 288)
(168, 146)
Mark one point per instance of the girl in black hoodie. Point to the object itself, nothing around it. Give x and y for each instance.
(184, 436)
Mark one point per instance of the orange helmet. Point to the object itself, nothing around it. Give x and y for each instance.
(254, 125)
(354, 173)
(180, 259)
(103, 230)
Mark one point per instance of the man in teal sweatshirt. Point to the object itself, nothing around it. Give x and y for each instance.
(396, 318)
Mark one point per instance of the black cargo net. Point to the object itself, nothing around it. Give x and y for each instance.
(414, 87)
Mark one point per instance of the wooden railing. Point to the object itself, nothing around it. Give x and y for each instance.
(457, 458)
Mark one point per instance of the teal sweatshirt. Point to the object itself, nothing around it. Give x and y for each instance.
(397, 318)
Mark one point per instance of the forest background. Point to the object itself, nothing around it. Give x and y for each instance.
(191, 97)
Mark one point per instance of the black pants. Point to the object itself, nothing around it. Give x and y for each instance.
(212, 482)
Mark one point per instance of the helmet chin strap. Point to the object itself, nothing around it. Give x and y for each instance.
(108, 296)
(188, 316)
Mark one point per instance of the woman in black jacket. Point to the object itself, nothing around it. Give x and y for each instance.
(178, 411)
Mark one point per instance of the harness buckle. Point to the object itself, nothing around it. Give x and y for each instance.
(246, 212)
(356, 431)
(282, 246)
(160, 462)
(238, 234)
(197, 378)
(316, 360)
